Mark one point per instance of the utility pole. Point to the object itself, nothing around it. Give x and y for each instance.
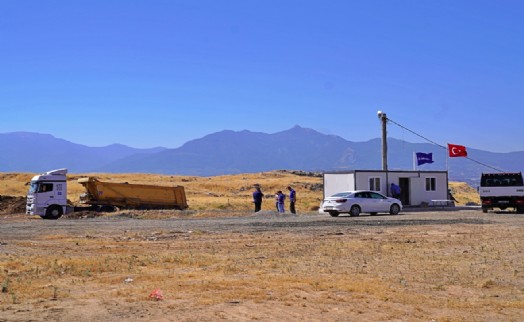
(383, 118)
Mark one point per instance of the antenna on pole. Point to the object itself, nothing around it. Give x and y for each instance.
(383, 118)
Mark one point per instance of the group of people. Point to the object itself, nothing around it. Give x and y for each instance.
(280, 198)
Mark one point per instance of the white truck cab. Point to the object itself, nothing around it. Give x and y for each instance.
(47, 196)
(502, 190)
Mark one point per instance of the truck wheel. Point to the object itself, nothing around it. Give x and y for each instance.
(395, 209)
(53, 212)
(354, 211)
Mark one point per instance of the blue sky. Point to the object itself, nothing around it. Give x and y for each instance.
(161, 73)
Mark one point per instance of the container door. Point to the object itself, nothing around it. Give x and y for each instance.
(404, 190)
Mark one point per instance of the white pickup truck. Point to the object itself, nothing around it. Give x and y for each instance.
(502, 190)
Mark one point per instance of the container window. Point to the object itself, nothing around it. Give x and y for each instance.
(431, 184)
(374, 183)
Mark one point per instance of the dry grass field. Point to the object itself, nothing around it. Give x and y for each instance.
(203, 193)
(418, 266)
(232, 192)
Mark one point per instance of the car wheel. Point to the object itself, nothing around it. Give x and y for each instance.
(53, 212)
(395, 209)
(354, 211)
(333, 213)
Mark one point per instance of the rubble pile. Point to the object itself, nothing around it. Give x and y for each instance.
(10, 205)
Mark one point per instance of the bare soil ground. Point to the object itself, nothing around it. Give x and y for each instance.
(219, 261)
(417, 266)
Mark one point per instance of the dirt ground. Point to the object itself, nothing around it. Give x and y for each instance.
(417, 266)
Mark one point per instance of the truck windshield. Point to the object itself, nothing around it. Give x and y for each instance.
(33, 187)
(501, 180)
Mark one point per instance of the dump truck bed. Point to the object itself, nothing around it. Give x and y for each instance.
(137, 196)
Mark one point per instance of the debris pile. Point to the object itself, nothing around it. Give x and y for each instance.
(10, 205)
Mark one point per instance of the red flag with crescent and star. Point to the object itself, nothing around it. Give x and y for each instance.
(457, 150)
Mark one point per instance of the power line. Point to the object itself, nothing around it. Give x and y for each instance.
(421, 136)
(440, 145)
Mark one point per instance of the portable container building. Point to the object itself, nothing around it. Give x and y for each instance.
(417, 187)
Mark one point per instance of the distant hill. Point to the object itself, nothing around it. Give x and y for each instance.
(229, 152)
(34, 152)
(232, 152)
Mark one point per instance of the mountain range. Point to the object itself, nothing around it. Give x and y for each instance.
(233, 152)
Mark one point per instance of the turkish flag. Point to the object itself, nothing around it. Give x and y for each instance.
(457, 150)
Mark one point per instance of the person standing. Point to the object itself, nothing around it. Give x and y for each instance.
(257, 198)
(280, 203)
(292, 199)
(395, 191)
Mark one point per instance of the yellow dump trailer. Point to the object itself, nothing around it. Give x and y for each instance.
(136, 196)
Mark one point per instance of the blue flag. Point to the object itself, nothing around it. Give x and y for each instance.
(423, 158)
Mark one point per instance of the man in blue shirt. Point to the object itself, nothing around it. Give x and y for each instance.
(395, 191)
(292, 199)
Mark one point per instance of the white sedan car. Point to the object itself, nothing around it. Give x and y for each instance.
(356, 202)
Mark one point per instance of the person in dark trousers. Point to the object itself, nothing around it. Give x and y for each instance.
(280, 202)
(292, 199)
(257, 198)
